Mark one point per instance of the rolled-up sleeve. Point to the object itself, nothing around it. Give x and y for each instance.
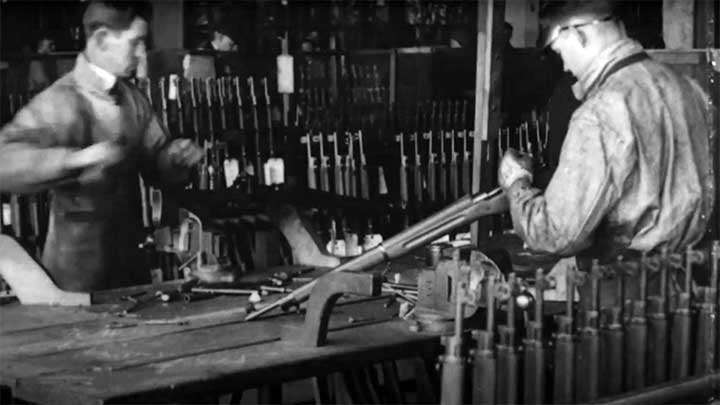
(34, 145)
(583, 189)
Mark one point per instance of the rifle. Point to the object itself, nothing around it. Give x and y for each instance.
(680, 341)
(364, 180)
(268, 116)
(164, 105)
(636, 337)
(507, 355)
(432, 157)
(464, 211)
(312, 183)
(194, 105)
(534, 356)
(454, 192)
(256, 128)
(541, 150)
(176, 83)
(244, 163)
(707, 325)
(403, 171)
(324, 165)
(337, 167)
(611, 345)
(565, 349)
(148, 92)
(528, 143)
(350, 181)
(588, 358)
(657, 329)
(221, 101)
(453, 361)
(443, 123)
(484, 363)
(417, 167)
(467, 157)
(209, 104)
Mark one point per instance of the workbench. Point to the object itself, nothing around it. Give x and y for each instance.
(60, 355)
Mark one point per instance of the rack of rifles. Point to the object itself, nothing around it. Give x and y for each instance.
(662, 328)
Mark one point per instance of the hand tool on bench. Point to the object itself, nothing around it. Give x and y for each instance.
(461, 213)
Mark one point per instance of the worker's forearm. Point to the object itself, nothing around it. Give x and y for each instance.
(533, 222)
(25, 168)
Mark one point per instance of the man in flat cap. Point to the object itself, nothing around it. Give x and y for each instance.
(85, 139)
(635, 171)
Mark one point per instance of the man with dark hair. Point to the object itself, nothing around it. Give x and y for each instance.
(635, 171)
(85, 139)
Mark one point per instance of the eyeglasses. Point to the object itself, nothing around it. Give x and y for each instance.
(559, 29)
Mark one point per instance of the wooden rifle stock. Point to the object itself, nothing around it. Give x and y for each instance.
(259, 173)
(364, 180)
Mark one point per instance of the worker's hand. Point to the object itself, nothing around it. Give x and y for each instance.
(513, 167)
(92, 162)
(184, 153)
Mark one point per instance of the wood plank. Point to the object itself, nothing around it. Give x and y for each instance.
(126, 353)
(74, 336)
(225, 370)
(113, 349)
(17, 318)
(488, 97)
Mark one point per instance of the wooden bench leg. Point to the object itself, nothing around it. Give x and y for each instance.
(426, 377)
(270, 394)
(373, 383)
(322, 390)
(391, 383)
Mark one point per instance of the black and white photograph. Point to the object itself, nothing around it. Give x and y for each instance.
(308, 202)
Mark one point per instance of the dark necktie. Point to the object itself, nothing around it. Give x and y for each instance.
(116, 93)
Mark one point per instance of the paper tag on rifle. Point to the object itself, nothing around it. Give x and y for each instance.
(285, 78)
(249, 169)
(337, 248)
(266, 173)
(371, 240)
(277, 171)
(172, 87)
(382, 184)
(232, 171)
(6, 214)
(351, 244)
